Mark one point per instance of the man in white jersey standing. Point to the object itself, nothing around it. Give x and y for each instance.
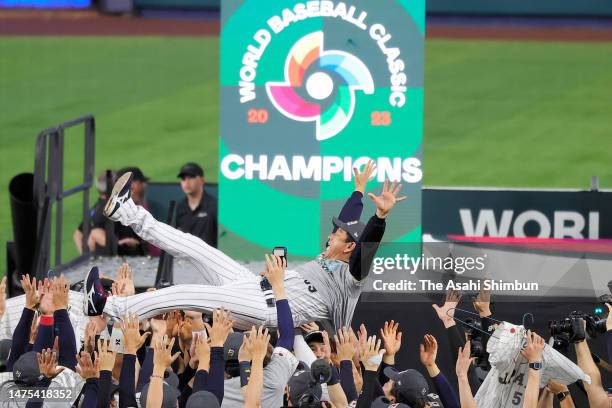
(324, 289)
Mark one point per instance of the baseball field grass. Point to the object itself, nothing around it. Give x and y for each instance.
(497, 113)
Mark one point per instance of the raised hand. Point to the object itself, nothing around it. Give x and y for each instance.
(355, 342)
(221, 328)
(482, 302)
(309, 327)
(163, 357)
(463, 361)
(446, 312)
(609, 319)
(371, 354)
(132, 340)
(326, 346)
(429, 351)
(47, 362)
(30, 290)
(392, 338)
(202, 353)
(46, 304)
(387, 199)
(87, 367)
(244, 353)
(106, 355)
(362, 336)
(274, 270)
(534, 348)
(117, 289)
(60, 289)
(344, 346)
(89, 342)
(124, 284)
(362, 178)
(258, 340)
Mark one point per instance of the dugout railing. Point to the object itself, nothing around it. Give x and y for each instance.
(50, 192)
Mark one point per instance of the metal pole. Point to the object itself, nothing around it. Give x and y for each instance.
(594, 183)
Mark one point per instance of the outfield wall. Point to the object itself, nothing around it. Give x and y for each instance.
(522, 7)
(600, 8)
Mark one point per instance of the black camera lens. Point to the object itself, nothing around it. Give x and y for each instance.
(560, 326)
(595, 325)
(320, 371)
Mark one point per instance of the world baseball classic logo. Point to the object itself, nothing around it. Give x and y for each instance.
(320, 85)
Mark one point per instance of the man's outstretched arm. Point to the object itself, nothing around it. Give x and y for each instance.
(364, 252)
(353, 207)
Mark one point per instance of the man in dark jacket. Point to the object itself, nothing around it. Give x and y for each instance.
(197, 213)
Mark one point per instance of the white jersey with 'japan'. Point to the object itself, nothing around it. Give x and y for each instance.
(505, 384)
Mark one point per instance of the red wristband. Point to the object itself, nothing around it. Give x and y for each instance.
(46, 320)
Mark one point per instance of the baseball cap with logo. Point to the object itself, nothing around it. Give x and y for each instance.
(202, 399)
(382, 402)
(191, 169)
(300, 385)
(232, 346)
(25, 369)
(354, 229)
(410, 385)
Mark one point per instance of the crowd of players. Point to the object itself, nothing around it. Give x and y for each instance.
(187, 359)
(57, 356)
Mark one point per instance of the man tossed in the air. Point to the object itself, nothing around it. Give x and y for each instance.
(324, 289)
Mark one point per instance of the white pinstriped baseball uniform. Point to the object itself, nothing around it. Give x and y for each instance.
(229, 284)
(505, 384)
(15, 305)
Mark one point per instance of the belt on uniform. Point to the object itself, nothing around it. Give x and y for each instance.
(266, 288)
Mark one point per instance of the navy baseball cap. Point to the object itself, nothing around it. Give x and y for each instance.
(202, 399)
(354, 229)
(191, 169)
(410, 385)
(232, 345)
(300, 385)
(26, 371)
(314, 336)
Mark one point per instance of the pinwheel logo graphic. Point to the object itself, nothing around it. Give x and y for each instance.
(320, 85)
